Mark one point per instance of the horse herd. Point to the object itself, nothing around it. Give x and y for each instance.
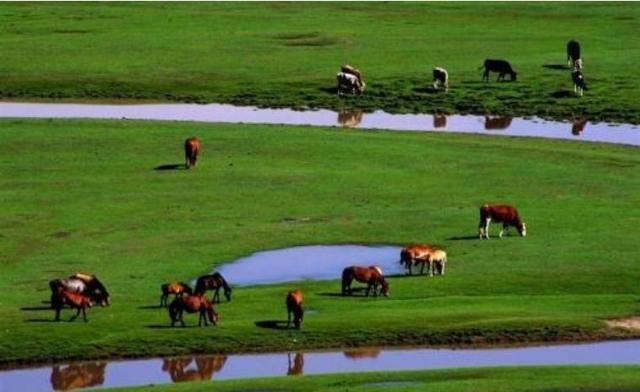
(350, 78)
(80, 291)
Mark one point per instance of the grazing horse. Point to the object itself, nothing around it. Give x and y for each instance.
(371, 275)
(214, 281)
(77, 375)
(438, 261)
(88, 285)
(440, 78)
(504, 213)
(192, 304)
(191, 151)
(417, 254)
(61, 296)
(294, 307)
(176, 288)
(573, 55)
(501, 66)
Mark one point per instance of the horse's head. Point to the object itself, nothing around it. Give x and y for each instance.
(213, 316)
(385, 288)
(522, 228)
(227, 293)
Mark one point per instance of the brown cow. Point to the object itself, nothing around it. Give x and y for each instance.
(371, 275)
(504, 213)
(191, 151)
(294, 306)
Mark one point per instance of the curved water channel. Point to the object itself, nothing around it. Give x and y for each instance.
(579, 129)
(225, 367)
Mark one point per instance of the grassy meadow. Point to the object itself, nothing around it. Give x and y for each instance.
(84, 196)
(286, 54)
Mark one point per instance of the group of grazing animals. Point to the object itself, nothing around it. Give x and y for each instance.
(434, 258)
(78, 291)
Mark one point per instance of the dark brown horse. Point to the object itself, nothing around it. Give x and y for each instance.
(215, 282)
(294, 307)
(77, 375)
(371, 275)
(192, 304)
(61, 297)
(191, 151)
(176, 288)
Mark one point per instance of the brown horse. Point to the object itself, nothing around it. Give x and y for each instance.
(371, 275)
(191, 151)
(417, 254)
(62, 296)
(80, 283)
(77, 375)
(294, 306)
(214, 281)
(192, 304)
(175, 288)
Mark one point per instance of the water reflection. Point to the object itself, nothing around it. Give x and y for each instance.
(205, 366)
(497, 122)
(362, 353)
(578, 127)
(439, 120)
(350, 118)
(296, 366)
(80, 375)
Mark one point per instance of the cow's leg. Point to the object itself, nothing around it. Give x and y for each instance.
(504, 229)
(487, 222)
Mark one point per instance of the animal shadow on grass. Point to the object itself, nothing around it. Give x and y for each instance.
(562, 94)
(171, 166)
(168, 326)
(355, 293)
(463, 238)
(151, 307)
(557, 67)
(272, 324)
(35, 308)
(329, 90)
(427, 90)
(48, 320)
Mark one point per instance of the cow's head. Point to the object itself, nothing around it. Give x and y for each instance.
(522, 229)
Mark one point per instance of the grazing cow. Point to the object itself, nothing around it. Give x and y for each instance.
(440, 78)
(497, 122)
(349, 83)
(191, 151)
(372, 276)
(504, 213)
(579, 84)
(501, 66)
(294, 307)
(573, 55)
(417, 254)
(192, 304)
(578, 127)
(176, 288)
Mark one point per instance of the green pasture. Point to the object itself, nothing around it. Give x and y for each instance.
(534, 379)
(84, 196)
(287, 54)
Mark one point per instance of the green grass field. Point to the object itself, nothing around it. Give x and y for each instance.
(540, 379)
(287, 54)
(83, 196)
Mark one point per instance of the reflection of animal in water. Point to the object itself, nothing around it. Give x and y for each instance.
(206, 367)
(215, 282)
(497, 122)
(296, 366)
(80, 375)
(371, 275)
(176, 288)
(362, 353)
(294, 307)
(439, 120)
(192, 304)
(501, 66)
(578, 127)
(191, 151)
(504, 213)
(350, 118)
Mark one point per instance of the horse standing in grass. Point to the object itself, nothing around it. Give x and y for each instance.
(85, 284)
(192, 304)
(417, 254)
(61, 296)
(294, 307)
(215, 282)
(175, 288)
(191, 151)
(371, 275)
(438, 261)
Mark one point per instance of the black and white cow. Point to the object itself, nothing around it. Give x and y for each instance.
(501, 66)
(574, 60)
(440, 78)
(579, 84)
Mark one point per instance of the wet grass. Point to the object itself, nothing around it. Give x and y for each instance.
(532, 379)
(287, 54)
(87, 196)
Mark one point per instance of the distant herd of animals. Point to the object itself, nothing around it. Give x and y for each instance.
(350, 79)
(80, 291)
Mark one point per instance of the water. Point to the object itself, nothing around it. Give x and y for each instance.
(492, 125)
(316, 262)
(223, 367)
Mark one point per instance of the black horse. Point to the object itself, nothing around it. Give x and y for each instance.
(214, 281)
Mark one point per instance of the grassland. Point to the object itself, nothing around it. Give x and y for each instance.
(84, 196)
(286, 54)
(540, 379)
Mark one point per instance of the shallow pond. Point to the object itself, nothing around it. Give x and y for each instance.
(223, 367)
(579, 129)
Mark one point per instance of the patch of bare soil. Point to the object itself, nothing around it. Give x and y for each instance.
(632, 324)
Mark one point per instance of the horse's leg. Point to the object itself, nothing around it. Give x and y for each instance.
(180, 314)
(163, 301)
(430, 267)
(216, 296)
(77, 314)
(84, 313)
(58, 308)
(288, 318)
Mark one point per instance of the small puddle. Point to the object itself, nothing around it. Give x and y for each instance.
(225, 367)
(580, 129)
(315, 262)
